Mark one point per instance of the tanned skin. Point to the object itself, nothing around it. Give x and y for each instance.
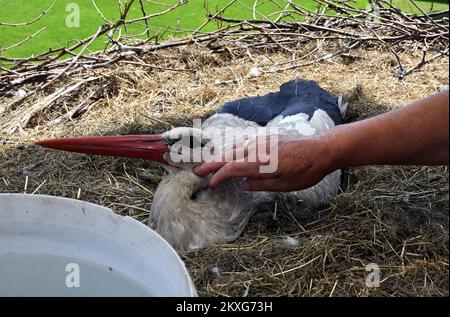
(417, 134)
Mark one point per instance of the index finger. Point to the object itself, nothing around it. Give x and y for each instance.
(207, 168)
(236, 170)
(221, 160)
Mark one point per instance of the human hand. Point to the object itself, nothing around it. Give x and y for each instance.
(301, 163)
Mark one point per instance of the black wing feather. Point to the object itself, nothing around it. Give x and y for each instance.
(296, 96)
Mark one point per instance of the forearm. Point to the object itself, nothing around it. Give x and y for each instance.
(413, 135)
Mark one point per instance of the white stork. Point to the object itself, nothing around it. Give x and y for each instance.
(188, 213)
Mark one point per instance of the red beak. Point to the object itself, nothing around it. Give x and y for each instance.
(148, 147)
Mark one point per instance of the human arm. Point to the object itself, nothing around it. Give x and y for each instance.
(416, 134)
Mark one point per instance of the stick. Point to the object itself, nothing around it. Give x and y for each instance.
(45, 103)
(32, 21)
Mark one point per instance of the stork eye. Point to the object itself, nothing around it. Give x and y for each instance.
(189, 141)
(194, 196)
(195, 142)
(172, 141)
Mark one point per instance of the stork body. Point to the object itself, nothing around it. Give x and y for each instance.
(188, 213)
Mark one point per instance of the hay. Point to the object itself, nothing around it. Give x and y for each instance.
(396, 217)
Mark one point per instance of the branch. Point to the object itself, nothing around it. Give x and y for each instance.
(180, 3)
(146, 20)
(100, 12)
(23, 41)
(32, 21)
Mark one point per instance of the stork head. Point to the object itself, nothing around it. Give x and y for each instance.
(191, 215)
(187, 146)
(178, 147)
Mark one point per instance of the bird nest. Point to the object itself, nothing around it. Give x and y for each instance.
(394, 217)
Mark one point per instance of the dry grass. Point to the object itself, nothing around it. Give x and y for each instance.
(396, 217)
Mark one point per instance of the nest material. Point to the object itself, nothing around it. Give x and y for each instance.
(396, 217)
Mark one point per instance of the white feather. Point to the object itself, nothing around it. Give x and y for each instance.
(291, 242)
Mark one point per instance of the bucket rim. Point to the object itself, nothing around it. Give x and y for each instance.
(130, 221)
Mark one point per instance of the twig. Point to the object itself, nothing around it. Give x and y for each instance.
(423, 62)
(100, 12)
(73, 61)
(25, 170)
(323, 57)
(157, 67)
(211, 17)
(146, 20)
(29, 37)
(41, 105)
(426, 15)
(180, 3)
(32, 21)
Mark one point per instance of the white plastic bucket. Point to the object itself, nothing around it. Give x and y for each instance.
(52, 246)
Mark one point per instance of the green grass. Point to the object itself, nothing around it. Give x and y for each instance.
(189, 16)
